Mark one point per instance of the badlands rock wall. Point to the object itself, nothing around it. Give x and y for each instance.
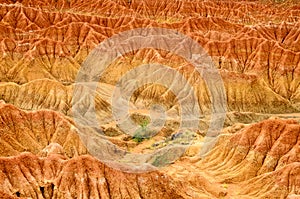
(253, 44)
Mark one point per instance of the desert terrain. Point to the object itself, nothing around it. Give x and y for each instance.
(150, 99)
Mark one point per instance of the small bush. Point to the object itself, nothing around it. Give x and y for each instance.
(138, 139)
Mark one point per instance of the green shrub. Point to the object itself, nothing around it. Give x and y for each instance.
(139, 135)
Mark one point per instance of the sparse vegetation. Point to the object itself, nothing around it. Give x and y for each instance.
(142, 132)
(137, 139)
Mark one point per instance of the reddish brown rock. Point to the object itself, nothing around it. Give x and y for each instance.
(254, 44)
(27, 175)
(255, 150)
(22, 131)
